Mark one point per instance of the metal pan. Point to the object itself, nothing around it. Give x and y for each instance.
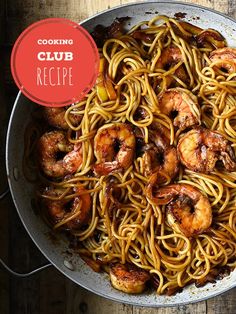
(22, 191)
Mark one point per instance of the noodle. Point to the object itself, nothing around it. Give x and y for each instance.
(125, 226)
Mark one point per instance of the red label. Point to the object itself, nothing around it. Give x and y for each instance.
(55, 62)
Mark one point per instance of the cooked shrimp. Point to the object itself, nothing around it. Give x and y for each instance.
(188, 210)
(79, 209)
(161, 161)
(51, 146)
(182, 105)
(170, 56)
(200, 149)
(159, 155)
(128, 278)
(225, 58)
(56, 117)
(211, 36)
(114, 146)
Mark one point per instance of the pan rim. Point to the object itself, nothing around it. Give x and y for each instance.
(158, 1)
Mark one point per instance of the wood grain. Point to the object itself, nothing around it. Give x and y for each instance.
(50, 292)
(82, 301)
(23, 257)
(4, 282)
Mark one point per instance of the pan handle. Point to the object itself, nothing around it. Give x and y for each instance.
(23, 275)
(12, 272)
(3, 194)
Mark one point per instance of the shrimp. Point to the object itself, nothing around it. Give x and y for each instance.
(200, 149)
(56, 117)
(210, 36)
(170, 56)
(160, 156)
(114, 146)
(58, 210)
(128, 278)
(225, 58)
(53, 144)
(163, 161)
(182, 105)
(206, 38)
(188, 210)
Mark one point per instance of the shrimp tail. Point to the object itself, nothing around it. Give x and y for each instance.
(153, 185)
(228, 159)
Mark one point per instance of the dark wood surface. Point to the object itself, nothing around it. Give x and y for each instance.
(50, 292)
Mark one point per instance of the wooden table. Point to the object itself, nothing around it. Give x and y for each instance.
(50, 292)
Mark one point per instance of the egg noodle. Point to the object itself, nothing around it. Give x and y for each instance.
(125, 225)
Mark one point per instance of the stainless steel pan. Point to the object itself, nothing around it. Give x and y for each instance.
(22, 191)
